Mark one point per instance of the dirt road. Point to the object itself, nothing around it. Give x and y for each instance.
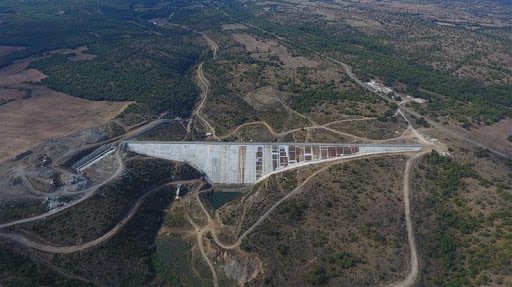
(200, 232)
(213, 46)
(205, 90)
(413, 250)
(298, 189)
(324, 127)
(75, 248)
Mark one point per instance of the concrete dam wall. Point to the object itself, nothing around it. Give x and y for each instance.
(247, 163)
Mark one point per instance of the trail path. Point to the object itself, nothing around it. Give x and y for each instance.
(288, 108)
(205, 88)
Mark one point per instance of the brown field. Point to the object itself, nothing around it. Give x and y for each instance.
(16, 67)
(11, 94)
(494, 136)
(16, 72)
(372, 129)
(30, 75)
(46, 115)
(358, 23)
(5, 50)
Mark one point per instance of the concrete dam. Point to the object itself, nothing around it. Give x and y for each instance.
(248, 163)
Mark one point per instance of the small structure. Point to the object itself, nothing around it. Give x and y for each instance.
(379, 87)
(420, 101)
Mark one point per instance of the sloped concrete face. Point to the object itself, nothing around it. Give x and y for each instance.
(247, 163)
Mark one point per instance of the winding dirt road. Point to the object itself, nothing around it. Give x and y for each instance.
(205, 87)
(205, 90)
(80, 247)
(313, 127)
(213, 46)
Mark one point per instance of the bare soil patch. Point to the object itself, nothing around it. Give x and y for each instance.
(16, 67)
(46, 115)
(6, 50)
(262, 98)
(17, 73)
(363, 23)
(340, 110)
(80, 54)
(234, 27)
(11, 94)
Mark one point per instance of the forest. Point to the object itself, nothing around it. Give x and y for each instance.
(135, 60)
(152, 70)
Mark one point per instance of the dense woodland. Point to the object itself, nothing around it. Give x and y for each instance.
(151, 70)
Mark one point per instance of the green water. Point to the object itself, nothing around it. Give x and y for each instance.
(173, 263)
(219, 198)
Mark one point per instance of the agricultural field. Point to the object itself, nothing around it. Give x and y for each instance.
(31, 121)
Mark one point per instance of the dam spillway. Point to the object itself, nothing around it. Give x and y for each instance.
(247, 163)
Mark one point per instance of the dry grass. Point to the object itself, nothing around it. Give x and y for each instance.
(372, 129)
(262, 98)
(494, 136)
(79, 54)
(332, 111)
(16, 67)
(264, 48)
(46, 115)
(30, 75)
(11, 94)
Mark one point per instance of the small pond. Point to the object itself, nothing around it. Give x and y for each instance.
(219, 198)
